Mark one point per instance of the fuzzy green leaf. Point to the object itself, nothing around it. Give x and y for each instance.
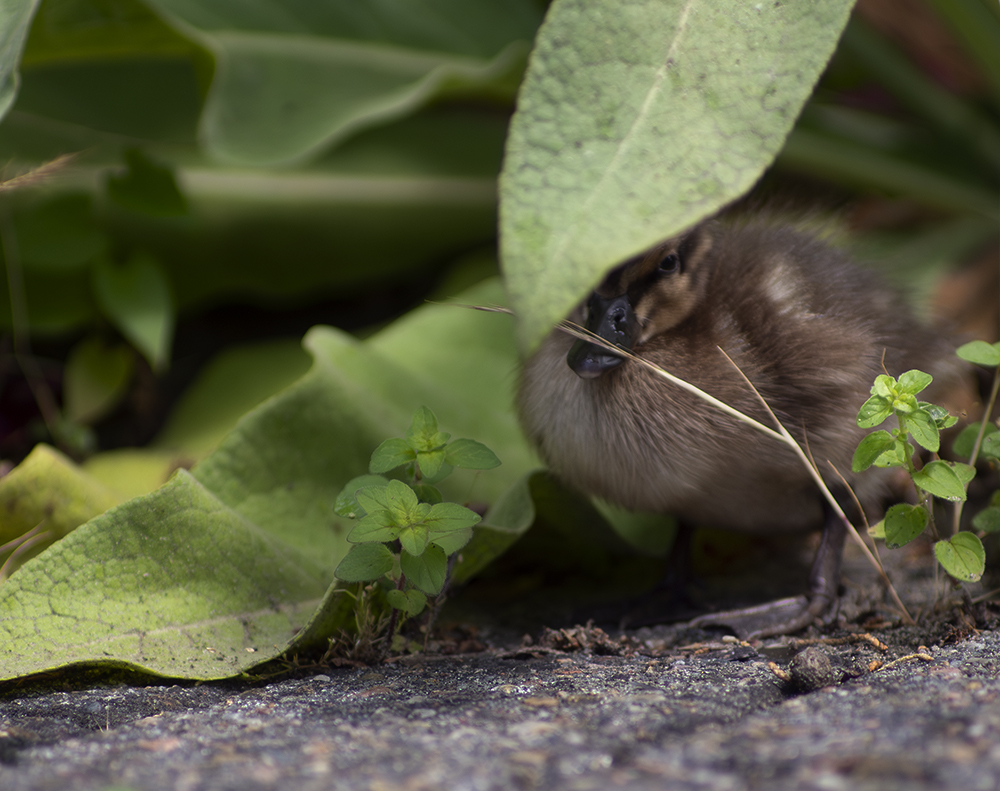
(980, 353)
(443, 472)
(347, 503)
(924, 430)
(470, 455)
(942, 418)
(158, 581)
(411, 602)
(414, 538)
(884, 385)
(874, 411)
(987, 520)
(14, 24)
(378, 526)
(373, 498)
(452, 541)
(293, 78)
(430, 462)
(966, 439)
(914, 381)
(391, 454)
(401, 502)
(870, 448)
(427, 494)
(428, 571)
(365, 562)
(136, 297)
(896, 456)
(962, 556)
(445, 517)
(903, 523)
(938, 478)
(964, 472)
(904, 404)
(423, 434)
(991, 445)
(635, 121)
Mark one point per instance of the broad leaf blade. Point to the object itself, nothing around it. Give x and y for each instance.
(873, 411)
(134, 585)
(903, 523)
(980, 353)
(914, 381)
(962, 556)
(924, 430)
(347, 503)
(365, 562)
(635, 121)
(941, 480)
(427, 571)
(294, 79)
(14, 23)
(136, 297)
(870, 448)
(471, 455)
(391, 454)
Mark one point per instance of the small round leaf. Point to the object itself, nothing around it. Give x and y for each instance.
(391, 454)
(903, 523)
(364, 562)
(870, 448)
(962, 556)
(941, 480)
(980, 353)
(914, 381)
(987, 520)
(470, 455)
(426, 572)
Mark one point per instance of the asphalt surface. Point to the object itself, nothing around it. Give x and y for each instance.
(914, 707)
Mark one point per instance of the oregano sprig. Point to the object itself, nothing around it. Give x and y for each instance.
(405, 532)
(962, 555)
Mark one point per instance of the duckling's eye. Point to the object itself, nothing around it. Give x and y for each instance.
(670, 263)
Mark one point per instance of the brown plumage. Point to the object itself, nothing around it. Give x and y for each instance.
(806, 326)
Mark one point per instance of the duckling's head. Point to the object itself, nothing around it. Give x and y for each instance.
(647, 295)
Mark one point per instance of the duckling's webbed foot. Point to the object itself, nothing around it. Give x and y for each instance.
(785, 616)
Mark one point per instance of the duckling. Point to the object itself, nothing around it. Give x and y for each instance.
(808, 328)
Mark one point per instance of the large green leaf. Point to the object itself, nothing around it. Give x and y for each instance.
(635, 120)
(45, 496)
(15, 19)
(176, 582)
(294, 77)
(239, 553)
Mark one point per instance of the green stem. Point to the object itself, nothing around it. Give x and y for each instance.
(924, 499)
(974, 456)
(394, 622)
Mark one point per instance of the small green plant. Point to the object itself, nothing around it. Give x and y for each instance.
(982, 438)
(405, 533)
(962, 554)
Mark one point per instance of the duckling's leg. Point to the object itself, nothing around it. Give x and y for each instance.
(785, 616)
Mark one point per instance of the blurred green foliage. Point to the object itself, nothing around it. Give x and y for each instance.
(277, 153)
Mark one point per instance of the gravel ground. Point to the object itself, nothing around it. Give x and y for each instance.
(574, 709)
